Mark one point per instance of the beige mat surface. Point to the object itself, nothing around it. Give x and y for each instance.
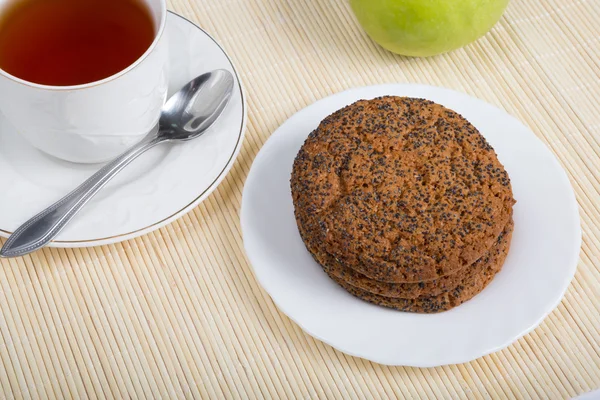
(178, 313)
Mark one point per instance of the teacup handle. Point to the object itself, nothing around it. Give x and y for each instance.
(45, 226)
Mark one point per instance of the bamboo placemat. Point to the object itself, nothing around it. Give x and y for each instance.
(178, 313)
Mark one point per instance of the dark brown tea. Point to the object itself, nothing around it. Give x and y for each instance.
(72, 42)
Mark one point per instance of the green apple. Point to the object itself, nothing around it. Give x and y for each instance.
(427, 27)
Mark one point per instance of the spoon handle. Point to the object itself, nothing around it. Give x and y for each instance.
(42, 228)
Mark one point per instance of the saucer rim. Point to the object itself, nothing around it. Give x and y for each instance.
(194, 203)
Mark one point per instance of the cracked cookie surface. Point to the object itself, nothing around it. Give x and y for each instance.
(400, 189)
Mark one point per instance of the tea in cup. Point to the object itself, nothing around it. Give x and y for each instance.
(82, 80)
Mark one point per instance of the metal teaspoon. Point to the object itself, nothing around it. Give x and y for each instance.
(185, 116)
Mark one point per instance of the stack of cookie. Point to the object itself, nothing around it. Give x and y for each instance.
(403, 203)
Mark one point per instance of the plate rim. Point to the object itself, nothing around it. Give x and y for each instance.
(578, 238)
(194, 203)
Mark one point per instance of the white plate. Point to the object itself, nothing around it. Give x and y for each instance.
(156, 189)
(541, 263)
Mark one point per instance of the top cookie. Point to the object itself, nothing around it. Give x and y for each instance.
(400, 189)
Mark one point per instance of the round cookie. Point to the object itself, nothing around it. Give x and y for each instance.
(421, 289)
(400, 190)
(471, 285)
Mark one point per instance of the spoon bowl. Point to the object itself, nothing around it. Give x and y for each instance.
(196, 106)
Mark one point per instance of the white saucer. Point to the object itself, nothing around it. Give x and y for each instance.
(156, 189)
(541, 263)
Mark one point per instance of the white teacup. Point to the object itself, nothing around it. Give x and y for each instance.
(93, 122)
